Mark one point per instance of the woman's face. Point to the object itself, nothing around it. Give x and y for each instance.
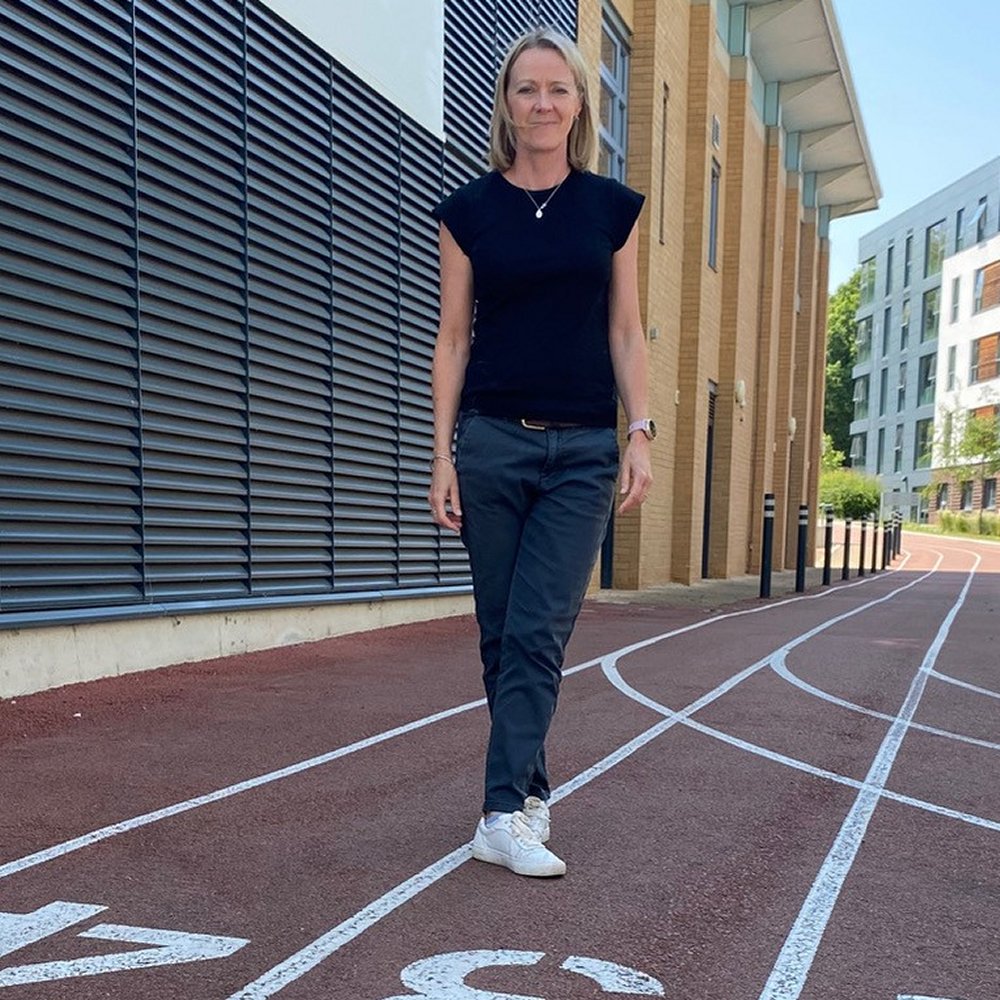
(543, 100)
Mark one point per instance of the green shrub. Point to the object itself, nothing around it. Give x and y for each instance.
(850, 494)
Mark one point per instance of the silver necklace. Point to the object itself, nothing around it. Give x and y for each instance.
(540, 209)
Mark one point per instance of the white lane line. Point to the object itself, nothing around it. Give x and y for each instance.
(780, 667)
(964, 684)
(307, 958)
(612, 673)
(146, 819)
(788, 977)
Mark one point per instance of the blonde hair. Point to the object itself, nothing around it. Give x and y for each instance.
(582, 142)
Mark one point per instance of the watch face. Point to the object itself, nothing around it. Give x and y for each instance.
(651, 429)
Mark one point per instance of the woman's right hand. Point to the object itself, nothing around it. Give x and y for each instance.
(446, 506)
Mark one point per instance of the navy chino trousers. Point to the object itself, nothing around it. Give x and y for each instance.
(535, 507)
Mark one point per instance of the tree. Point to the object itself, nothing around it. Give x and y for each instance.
(841, 351)
(850, 494)
(830, 458)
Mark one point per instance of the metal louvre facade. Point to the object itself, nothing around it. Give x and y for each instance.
(218, 303)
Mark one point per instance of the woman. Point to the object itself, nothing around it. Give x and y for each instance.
(540, 325)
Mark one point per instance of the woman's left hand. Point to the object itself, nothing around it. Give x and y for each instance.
(636, 473)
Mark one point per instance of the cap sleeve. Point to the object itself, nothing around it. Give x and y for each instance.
(626, 206)
(454, 213)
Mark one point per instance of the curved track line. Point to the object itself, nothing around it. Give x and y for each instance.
(791, 969)
(779, 666)
(964, 684)
(613, 675)
(308, 957)
(166, 812)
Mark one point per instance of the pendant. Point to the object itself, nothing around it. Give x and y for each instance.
(538, 213)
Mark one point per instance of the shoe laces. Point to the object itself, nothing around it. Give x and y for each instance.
(521, 831)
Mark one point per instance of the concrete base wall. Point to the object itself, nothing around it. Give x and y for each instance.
(36, 659)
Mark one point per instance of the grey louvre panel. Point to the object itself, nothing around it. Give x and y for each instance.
(420, 191)
(366, 321)
(219, 303)
(290, 265)
(69, 427)
(193, 310)
(477, 35)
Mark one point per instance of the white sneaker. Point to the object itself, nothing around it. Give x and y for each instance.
(511, 842)
(536, 812)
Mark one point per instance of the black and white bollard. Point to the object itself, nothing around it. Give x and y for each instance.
(845, 569)
(861, 554)
(766, 545)
(800, 556)
(827, 546)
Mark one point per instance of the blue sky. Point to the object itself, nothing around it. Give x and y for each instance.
(927, 77)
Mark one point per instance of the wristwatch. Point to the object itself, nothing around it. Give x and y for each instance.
(647, 426)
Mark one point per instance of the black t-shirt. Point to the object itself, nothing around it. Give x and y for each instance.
(540, 333)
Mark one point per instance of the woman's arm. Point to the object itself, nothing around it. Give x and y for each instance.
(628, 358)
(451, 355)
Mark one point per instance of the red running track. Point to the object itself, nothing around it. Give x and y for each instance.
(794, 798)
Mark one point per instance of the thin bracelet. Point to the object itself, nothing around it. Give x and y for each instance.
(442, 458)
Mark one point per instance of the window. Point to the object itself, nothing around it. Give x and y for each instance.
(959, 229)
(925, 379)
(932, 315)
(989, 494)
(956, 288)
(713, 216)
(979, 219)
(941, 500)
(883, 391)
(934, 248)
(986, 287)
(907, 261)
(904, 325)
(861, 397)
(966, 488)
(922, 444)
(947, 431)
(901, 388)
(897, 451)
(888, 269)
(663, 167)
(863, 340)
(886, 327)
(984, 359)
(613, 130)
(867, 290)
(858, 450)
(952, 355)
(879, 457)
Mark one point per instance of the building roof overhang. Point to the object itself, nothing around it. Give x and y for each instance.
(796, 44)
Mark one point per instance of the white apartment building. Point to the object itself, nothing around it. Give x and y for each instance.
(968, 384)
(904, 306)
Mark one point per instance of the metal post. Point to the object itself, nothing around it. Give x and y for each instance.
(874, 544)
(899, 532)
(845, 569)
(861, 554)
(800, 559)
(887, 544)
(767, 543)
(827, 546)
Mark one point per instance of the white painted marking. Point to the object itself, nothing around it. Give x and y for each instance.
(146, 819)
(442, 977)
(800, 765)
(965, 684)
(18, 930)
(788, 977)
(170, 948)
(780, 667)
(308, 957)
(615, 978)
(920, 996)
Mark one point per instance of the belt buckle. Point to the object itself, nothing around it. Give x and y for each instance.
(531, 426)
